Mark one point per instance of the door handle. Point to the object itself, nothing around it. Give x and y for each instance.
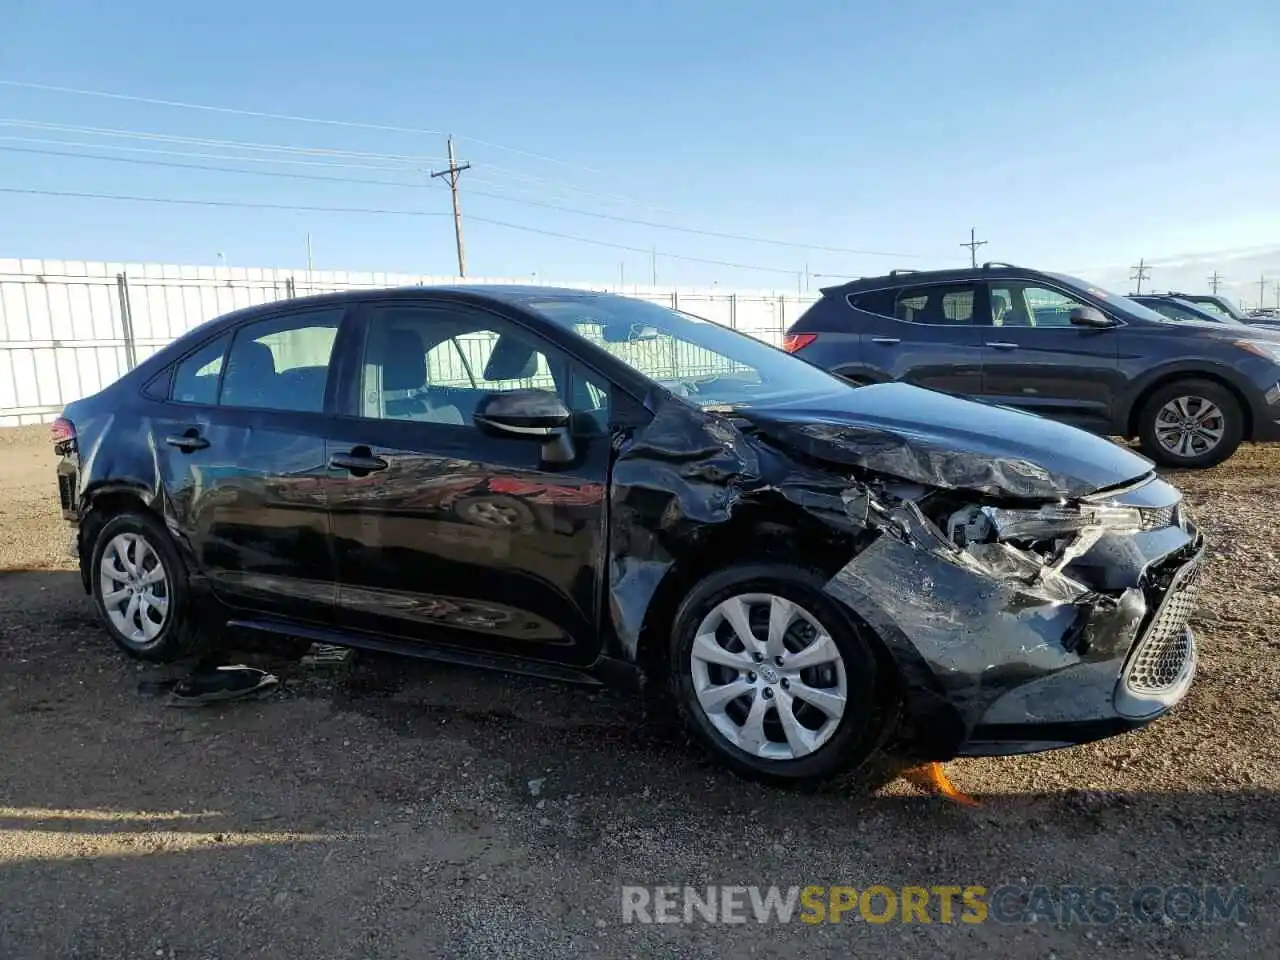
(889, 341)
(357, 464)
(1002, 345)
(188, 442)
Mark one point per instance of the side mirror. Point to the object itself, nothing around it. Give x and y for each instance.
(529, 415)
(1090, 317)
(533, 414)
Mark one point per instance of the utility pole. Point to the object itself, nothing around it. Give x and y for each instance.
(1262, 291)
(622, 275)
(973, 246)
(653, 265)
(1215, 280)
(1277, 289)
(1140, 272)
(455, 169)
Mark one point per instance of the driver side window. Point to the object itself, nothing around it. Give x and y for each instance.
(1026, 305)
(435, 365)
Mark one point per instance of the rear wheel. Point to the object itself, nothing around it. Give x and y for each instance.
(140, 588)
(772, 676)
(1191, 424)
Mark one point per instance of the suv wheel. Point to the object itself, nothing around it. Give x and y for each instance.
(140, 588)
(1191, 423)
(772, 677)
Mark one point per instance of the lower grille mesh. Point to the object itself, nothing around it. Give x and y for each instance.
(1164, 651)
(1157, 518)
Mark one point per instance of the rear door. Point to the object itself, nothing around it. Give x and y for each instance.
(450, 535)
(1037, 360)
(922, 334)
(240, 445)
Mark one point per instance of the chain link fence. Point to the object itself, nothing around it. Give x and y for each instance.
(70, 328)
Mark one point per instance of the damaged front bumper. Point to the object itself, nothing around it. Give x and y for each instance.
(1001, 652)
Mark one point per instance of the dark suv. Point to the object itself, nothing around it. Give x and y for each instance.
(1056, 346)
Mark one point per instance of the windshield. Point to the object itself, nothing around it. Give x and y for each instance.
(702, 361)
(1219, 307)
(1182, 311)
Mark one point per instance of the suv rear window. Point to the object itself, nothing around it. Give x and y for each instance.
(873, 301)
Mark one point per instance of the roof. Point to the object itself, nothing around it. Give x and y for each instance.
(511, 294)
(898, 278)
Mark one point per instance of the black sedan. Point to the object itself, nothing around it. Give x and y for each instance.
(599, 489)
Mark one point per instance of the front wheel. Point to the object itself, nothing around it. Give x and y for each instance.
(772, 676)
(1191, 424)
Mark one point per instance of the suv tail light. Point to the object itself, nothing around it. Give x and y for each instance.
(62, 432)
(793, 342)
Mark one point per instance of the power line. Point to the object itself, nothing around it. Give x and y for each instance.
(1140, 272)
(389, 212)
(615, 218)
(453, 172)
(390, 128)
(211, 168)
(290, 161)
(648, 250)
(973, 246)
(212, 142)
(221, 203)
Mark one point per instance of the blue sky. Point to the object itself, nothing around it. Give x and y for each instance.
(1072, 135)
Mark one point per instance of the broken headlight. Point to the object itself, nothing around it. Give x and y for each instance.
(974, 524)
(1036, 545)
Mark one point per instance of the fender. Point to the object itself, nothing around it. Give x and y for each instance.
(1123, 409)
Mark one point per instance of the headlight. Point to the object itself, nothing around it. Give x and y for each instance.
(976, 524)
(1263, 348)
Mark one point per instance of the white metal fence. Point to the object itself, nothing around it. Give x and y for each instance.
(69, 328)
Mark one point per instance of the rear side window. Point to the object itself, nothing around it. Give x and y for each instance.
(196, 378)
(874, 301)
(282, 363)
(945, 305)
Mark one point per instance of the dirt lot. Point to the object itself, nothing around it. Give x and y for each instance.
(387, 811)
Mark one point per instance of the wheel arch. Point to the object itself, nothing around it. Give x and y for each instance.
(767, 531)
(100, 504)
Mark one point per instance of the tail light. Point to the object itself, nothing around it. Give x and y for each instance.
(62, 432)
(794, 342)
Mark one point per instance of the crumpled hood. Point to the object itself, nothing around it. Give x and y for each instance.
(934, 438)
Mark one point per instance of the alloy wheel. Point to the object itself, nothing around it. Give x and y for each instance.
(135, 588)
(1189, 426)
(768, 676)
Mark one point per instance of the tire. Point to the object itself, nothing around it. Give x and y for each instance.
(1190, 396)
(829, 746)
(164, 603)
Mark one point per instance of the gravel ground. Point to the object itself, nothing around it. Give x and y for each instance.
(403, 809)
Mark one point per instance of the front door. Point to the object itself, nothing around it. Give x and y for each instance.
(240, 444)
(450, 535)
(1034, 358)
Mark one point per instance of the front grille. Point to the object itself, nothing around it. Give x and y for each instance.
(1164, 650)
(1157, 518)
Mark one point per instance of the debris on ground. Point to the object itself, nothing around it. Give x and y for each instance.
(931, 777)
(220, 684)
